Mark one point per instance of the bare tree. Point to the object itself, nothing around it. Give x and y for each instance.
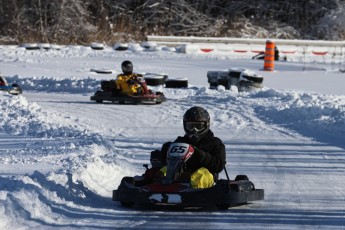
(71, 22)
(82, 21)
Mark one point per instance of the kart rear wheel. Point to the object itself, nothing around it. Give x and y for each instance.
(127, 204)
(241, 177)
(223, 206)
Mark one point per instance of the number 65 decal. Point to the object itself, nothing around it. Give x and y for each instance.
(178, 149)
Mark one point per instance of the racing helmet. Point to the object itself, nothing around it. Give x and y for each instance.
(127, 67)
(196, 123)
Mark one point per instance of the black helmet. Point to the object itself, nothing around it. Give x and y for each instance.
(196, 123)
(127, 67)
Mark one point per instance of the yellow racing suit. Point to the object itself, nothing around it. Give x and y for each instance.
(129, 84)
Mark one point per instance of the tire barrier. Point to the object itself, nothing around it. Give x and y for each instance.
(155, 80)
(31, 46)
(240, 51)
(320, 53)
(97, 46)
(269, 56)
(309, 50)
(177, 83)
(288, 52)
(102, 71)
(206, 50)
(243, 79)
(256, 51)
(120, 46)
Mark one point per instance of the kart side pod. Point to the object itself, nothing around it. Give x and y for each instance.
(224, 194)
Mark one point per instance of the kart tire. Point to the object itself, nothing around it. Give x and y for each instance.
(18, 89)
(213, 85)
(99, 101)
(176, 83)
(31, 46)
(247, 86)
(121, 46)
(254, 79)
(102, 71)
(127, 204)
(155, 81)
(97, 46)
(223, 206)
(241, 177)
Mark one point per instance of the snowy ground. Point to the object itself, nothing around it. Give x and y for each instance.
(61, 155)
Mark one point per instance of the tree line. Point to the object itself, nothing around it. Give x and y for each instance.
(84, 21)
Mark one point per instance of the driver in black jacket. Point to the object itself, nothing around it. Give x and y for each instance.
(209, 151)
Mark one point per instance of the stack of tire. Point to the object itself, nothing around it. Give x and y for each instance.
(176, 83)
(13, 89)
(243, 79)
(212, 78)
(97, 46)
(155, 79)
(223, 79)
(234, 77)
(162, 79)
(120, 46)
(226, 78)
(250, 81)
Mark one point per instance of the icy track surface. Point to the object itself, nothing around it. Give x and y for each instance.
(61, 155)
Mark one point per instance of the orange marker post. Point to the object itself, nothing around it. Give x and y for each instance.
(269, 56)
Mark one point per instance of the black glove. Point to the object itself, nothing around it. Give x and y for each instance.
(199, 154)
(182, 173)
(156, 159)
(130, 82)
(165, 147)
(196, 159)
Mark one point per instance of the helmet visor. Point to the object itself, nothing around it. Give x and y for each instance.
(195, 126)
(127, 68)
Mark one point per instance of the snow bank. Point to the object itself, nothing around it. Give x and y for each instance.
(318, 116)
(51, 84)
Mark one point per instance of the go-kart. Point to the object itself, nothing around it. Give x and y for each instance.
(110, 92)
(261, 56)
(170, 190)
(14, 88)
